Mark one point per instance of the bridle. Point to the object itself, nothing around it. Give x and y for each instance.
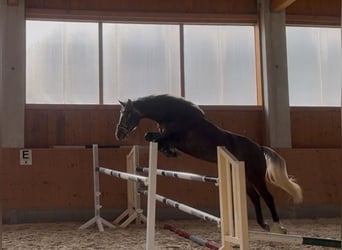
(125, 129)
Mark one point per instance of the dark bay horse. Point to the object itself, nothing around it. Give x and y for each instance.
(183, 127)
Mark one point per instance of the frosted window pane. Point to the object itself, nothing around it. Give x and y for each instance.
(314, 66)
(62, 63)
(139, 60)
(220, 65)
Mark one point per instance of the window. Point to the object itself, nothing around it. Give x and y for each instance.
(139, 59)
(220, 65)
(62, 62)
(314, 66)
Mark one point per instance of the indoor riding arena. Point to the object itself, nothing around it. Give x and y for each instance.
(171, 125)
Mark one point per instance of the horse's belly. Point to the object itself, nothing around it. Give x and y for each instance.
(199, 146)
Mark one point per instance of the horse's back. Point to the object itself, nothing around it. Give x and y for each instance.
(173, 108)
(245, 149)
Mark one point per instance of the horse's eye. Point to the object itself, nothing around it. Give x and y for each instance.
(126, 114)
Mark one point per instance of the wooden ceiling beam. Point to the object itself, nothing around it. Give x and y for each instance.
(280, 5)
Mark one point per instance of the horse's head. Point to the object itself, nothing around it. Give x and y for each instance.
(129, 120)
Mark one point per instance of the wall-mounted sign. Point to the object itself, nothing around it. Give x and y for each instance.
(25, 157)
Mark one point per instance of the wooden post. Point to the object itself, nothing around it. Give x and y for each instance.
(151, 196)
(274, 75)
(233, 203)
(341, 145)
(12, 73)
(1, 167)
(133, 211)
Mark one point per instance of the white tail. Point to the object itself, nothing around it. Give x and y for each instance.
(276, 174)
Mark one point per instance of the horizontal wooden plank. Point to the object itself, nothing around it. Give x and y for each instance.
(280, 5)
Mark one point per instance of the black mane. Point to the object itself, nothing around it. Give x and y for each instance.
(167, 106)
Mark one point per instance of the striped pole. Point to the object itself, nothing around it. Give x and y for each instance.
(123, 175)
(194, 238)
(185, 208)
(294, 239)
(181, 175)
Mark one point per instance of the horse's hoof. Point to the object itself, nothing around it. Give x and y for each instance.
(149, 136)
(278, 228)
(266, 227)
(172, 154)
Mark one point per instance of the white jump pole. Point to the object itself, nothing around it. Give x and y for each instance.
(97, 206)
(185, 208)
(123, 175)
(181, 175)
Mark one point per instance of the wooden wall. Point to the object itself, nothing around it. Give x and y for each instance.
(176, 6)
(316, 127)
(147, 10)
(61, 180)
(300, 12)
(51, 125)
(314, 11)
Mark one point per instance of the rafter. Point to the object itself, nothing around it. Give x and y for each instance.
(280, 5)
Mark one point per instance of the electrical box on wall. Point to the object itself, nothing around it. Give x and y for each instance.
(25, 157)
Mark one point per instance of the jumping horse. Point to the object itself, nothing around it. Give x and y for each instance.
(184, 127)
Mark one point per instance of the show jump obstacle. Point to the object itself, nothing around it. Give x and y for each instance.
(149, 181)
(234, 225)
(231, 175)
(233, 202)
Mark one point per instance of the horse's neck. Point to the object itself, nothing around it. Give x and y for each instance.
(149, 110)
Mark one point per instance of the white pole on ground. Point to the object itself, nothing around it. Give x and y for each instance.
(151, 198)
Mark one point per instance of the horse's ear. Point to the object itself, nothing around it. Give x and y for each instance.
(129, 103)
(123, 104)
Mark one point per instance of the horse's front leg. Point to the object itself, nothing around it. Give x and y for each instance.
(163, 146)
(153, 136)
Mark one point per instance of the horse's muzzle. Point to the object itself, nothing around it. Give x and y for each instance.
(121, 133)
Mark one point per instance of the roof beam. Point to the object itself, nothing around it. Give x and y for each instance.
(280, 5)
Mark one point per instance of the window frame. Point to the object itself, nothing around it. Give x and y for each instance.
(235, 20)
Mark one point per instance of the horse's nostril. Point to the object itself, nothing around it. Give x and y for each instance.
(119, 135)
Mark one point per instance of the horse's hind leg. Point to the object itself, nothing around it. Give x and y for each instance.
(255, 198)
(268, 198)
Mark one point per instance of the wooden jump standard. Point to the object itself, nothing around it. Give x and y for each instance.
(151, 201)
(237, 233)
